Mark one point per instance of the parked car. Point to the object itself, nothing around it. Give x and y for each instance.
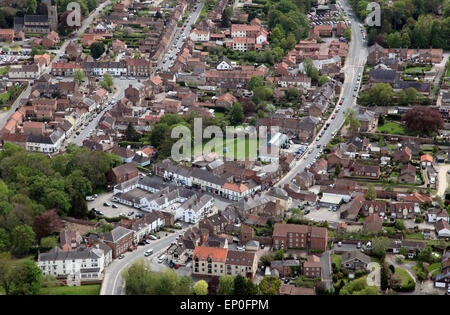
(106, 204)
(148, 252)
(152, 237)
(115, 206)
(339, 244)
(130, 213)
(121, 256)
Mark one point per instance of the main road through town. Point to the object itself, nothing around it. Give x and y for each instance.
(112, 282)
(58, 53)
(354, 65)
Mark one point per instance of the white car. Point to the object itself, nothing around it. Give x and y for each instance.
(240, 248)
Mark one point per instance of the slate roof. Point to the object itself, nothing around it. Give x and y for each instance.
(58, 254)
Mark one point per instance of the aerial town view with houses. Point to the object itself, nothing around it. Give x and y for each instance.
(346, 193)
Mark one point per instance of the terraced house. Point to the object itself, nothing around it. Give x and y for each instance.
(212, 261)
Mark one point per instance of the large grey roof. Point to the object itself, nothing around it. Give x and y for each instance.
(58, 254)
(116, 234)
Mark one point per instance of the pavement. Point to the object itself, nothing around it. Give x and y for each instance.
(327, 272)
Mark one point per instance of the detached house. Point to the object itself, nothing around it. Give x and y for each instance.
(355, 260)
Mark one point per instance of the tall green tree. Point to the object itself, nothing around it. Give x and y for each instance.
(240, 285)
(371, 193)
(270, 285)
(97, 49)
(78, 75)
(22, 238)
(200, 288)
(236, 114)
(226, 285)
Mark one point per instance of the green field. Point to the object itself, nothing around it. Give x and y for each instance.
(392, 128)
(91, 289)
(238, 153)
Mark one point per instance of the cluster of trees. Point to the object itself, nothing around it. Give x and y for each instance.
(35, 190)
(139, 280)
(358, 287)
(160, 136)
(269, 57)
(409, 23)
(19, 277)
(85, 5)
(423, 120)
(390, 278)
(382, 94)
(107, 83)
(97, 49)
(287, 22)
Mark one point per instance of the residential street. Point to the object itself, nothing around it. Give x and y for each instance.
(112, 282)
(354, 65)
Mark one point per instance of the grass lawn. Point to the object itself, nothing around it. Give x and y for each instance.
(3, 70)
(238, 153)
(219, 114)
(416, 70)
(392, 128)
(415, 236)
(337, 260)
(434, 266)
(92, 289)
(406, 278)
(4, 97)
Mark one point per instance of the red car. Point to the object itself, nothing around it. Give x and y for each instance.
(340, 103)
(333, 117)
(298, 156)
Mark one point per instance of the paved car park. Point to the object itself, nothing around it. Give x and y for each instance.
(111, 212)
(323, 214)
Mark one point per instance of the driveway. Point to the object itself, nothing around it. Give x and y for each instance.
(374, 277)
(327, 273)
(442, 179)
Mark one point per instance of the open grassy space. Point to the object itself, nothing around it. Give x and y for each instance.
(4, 97)
(238, 153)
(406, 278)
(392, 128)
(92, 289)
(414, 236)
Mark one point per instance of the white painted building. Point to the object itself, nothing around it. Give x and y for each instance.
(199, 36)
(84, 264)
(46, 144)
